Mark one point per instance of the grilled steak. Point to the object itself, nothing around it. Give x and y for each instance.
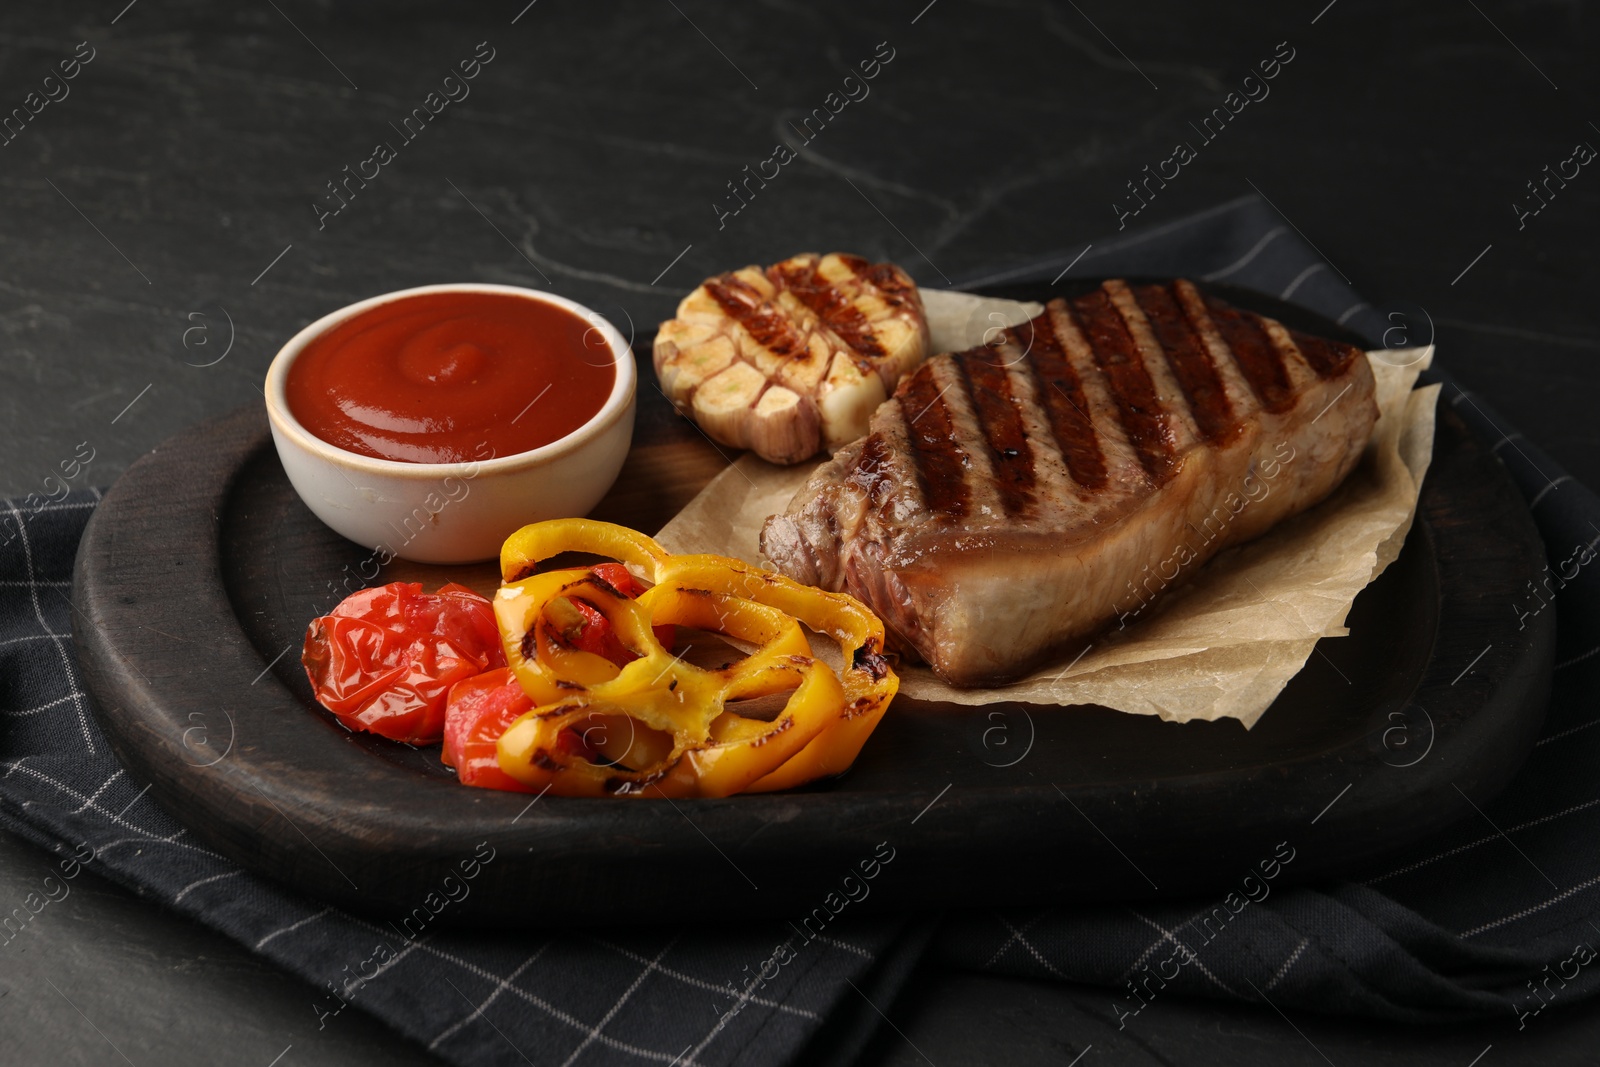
(1015, 498)
(792, 360)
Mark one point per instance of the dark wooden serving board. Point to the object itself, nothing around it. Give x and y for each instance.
(200, 570)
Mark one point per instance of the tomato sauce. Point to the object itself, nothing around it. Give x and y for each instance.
(448, 377)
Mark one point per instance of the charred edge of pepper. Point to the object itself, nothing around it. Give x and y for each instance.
(541, 759)
(867, 658)
(786, 669)
(858, 707)
(622, 787)
(594, 581)
(562, 683)
(606, 587)
(603, 762)
(529, 645)
(781, 726)
(556, 711)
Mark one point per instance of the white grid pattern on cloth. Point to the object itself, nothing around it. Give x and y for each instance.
(1506, 440)
(1013, 937)
(143, 836)
(1408, 868)
(1541, 494)
(1344, 316)
(47, 636)
(1168, 935)
(592, 1034)
(96, 794)
(844, 946)
(700, 983)
(1579, 658)
(1289, 289)
(24, 712)
(539, 1002)
(297, 924)
(1255, 250)
(1032, 951)
(507, 984)
(1533, 910)
(68, 667)
(46, 509)
(1572, 730)
(62, 794)
(1283, 971)
(549, 1009)
(207, 880)
(479, 1009)
(1150, 949)
(616, 1006)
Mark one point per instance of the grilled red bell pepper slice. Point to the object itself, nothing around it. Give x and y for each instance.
(480, 709)
(596, 634)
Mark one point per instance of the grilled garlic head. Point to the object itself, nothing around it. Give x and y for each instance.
(792, 360)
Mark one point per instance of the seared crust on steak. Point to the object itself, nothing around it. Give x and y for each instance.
(1019, 496)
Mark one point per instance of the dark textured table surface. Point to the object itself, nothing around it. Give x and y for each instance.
(162, 204)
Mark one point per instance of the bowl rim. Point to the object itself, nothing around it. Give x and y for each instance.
(616, 405)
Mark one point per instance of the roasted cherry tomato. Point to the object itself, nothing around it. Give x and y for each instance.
(384, 659)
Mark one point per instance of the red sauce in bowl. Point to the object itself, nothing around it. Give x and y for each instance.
(453, 376)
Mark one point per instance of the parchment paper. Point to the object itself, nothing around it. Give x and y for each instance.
(1221, 646)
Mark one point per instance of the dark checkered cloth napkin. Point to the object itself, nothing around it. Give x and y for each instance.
(1456, 929)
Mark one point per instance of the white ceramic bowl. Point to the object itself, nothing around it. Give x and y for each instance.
(452, 512)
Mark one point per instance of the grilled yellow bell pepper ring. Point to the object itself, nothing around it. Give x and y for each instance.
(685, 735)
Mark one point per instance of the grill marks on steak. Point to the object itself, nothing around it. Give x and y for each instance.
(1062, 397)
(1328, 359)
(1000, 418)
(1263, 365)
(1028, 399)
(941, 457)
(1028, 366)
(1007, 496)
(1191, 365)
(872, 469)
(1143, 419)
